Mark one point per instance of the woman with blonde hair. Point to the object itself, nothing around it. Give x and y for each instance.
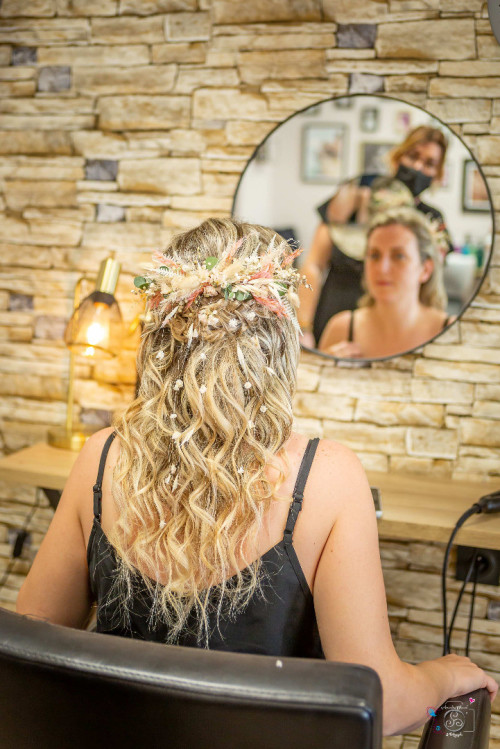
(334, 271)
(405, 301)
(213, 523)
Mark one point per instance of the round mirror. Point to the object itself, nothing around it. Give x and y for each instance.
(394, 216)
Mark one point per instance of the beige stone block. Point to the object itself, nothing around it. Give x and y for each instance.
(26, 256)
(142, 112)
(287, 101)
(477, 128)
(432, 443)
(18, 435)
(24, 333)
(134, 54)
(459, 110)
(39, 232)
(435, 39)
(420, 466)
(32, 386)
(40, 31)
(480, 334)
(124, 199)
(45, 122)
(17, 88)
(39, 168)
(17, 73)
(259, 11)
(373, 384)
(435, 618)
(183, 220)
(354, 11)
(480, 432)
(471, 68)
(122, 236)
(487, 48)
(149, 7)
(146, 213)
(221, 59)
(395, 83)
(5, 55)
(35, 142)
(247, 133)
(188, 80)
(21, 193)
(439, 391)
(308, 427)
(182, 52)
(307, 377)
(480, 314)
(223, 165)
(458, 371)
(219, 184)
(167, 176)
(140, 79)
(92, 394)
(462, 353)
(228, 104)
(384, 67)
(420, 590)
(48, 105)
(120, 370)
(76, 215)
(127, 30)
(16, 318)
(33, 411)
(457, 6)
(488, 392)
(257, 66)
(98, 145)
(33, 8)
(373, 461)
(323, 406)
(390, 414)
(4, 296)
(188, 27)
(465, 87)
(476, 467)
(494, 280)
(203, 203)
(367, 437)
(87, 7)
(486, 409)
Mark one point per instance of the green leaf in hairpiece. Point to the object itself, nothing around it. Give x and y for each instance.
(141, 282)
(227, 291)
(211, 262)
(242, 296)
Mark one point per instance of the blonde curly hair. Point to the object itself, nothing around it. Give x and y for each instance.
(211, 413)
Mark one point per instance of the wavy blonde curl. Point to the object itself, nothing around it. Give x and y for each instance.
(190, 482)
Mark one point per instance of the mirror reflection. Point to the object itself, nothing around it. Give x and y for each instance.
(393, 214)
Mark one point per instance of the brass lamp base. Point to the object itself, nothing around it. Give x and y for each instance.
(74, 440)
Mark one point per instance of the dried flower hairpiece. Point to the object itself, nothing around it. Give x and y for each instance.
(171, 285)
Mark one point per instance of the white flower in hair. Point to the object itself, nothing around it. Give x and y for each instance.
(173, 416)
(247, 385)
(233, 323)
(176, 435)
(251, 315)
(241, 470)
(203, 389)
(251, 425)
(203, 356)
(263, 409)
(178, 385)
(162, 524)
(160, 355)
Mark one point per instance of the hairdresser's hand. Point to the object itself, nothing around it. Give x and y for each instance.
(343, 204)
(466, 676)
(345, 350)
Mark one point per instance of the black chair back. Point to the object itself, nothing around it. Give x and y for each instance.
(61, 687)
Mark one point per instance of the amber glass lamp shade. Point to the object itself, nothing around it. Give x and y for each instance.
(95, 328)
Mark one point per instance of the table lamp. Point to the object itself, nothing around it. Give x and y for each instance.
(94, 330)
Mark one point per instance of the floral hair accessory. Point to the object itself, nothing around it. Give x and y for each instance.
(171, 285)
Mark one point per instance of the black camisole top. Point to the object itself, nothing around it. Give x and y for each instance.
(280, 621)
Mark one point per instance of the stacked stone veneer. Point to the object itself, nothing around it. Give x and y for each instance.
(122, 121)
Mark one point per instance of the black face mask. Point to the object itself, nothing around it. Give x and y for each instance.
(414, 180)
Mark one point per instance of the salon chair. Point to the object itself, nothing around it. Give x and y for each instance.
(62, 687)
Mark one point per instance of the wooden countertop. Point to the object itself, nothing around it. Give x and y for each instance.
(415, 508)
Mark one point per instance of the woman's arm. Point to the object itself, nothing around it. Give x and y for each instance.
(57, 587)
(334, 339)
(317, 262)
(351, 610)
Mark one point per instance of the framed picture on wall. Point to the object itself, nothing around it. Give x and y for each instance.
(373, 158)
(323, 152)
(402, 121)
(368, 119)
(474, 191)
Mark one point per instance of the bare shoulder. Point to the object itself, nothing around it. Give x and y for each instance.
(336, 330)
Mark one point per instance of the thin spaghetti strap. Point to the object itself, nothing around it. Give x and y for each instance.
(350, 336)
(97, 489)
(298, 491)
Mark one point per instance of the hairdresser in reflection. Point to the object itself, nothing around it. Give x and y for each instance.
(405, 301)
(416, 163)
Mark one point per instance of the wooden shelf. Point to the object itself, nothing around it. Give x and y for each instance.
(415, 508)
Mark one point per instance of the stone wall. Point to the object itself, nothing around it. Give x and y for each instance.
(123, 121)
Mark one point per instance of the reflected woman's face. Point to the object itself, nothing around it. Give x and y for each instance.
(424, 157)
(393, 268)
